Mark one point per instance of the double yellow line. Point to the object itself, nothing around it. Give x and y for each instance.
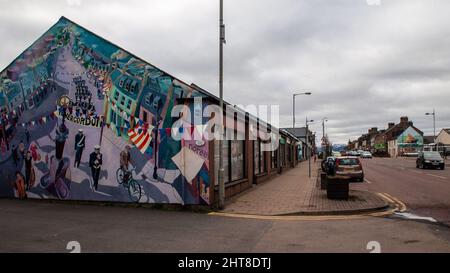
(396, 206)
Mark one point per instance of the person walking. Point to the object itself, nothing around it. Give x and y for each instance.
(27, 135)
(80, 142)
(95, 163)
(28, 170)
(22, 149)
(15, 155)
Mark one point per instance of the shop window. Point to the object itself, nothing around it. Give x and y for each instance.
(237, 160)
(260, 158)
(274, 159)
(225, 161)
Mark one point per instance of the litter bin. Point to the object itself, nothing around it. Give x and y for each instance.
(338, 187)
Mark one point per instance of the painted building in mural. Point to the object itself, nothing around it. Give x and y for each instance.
(73, 102)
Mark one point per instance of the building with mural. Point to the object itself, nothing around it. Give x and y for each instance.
(130, 103)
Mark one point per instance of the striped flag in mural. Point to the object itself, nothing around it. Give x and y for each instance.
(141, 138)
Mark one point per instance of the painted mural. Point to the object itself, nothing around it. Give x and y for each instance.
(82, 119)
(410, 141)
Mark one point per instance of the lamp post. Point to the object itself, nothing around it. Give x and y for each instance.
(293, 105)
(324, 144)
(434, 124)
(308, 149)
(221, 169)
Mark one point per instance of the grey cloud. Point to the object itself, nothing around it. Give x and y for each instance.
(366, 65)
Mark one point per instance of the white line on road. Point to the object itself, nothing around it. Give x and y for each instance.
(441, 177)
(367, 181)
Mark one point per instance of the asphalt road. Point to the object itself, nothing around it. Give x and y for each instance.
(425, 192)
(39, 226)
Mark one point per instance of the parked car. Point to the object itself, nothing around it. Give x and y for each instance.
(366, 155)
(430, 160)
(350, 166)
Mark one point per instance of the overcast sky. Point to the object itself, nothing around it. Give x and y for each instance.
(366, 65)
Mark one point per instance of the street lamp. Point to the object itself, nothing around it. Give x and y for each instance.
(308, 149)
(293, 105)
(324, 145)
(221, 168)
(434, 123)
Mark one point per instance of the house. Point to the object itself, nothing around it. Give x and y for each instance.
(404, 139)
(300, 133)
(444, 137)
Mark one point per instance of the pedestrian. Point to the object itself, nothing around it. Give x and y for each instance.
(28, 170)
(95, 162)
(35, 153)
(27, 135)
(15, 156)
(80, 141)
(22, 149)
(19, 186)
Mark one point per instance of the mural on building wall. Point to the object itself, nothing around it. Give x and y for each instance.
(410, 141)
(82, 119)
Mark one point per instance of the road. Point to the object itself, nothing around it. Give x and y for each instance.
(39, 226)
(425, 192)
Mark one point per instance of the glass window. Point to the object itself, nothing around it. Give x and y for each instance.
(289, 153)
(116, 95)
(225, 161)
(274, 159)
(260, 158)
(237, 160)
(129, 104)
(122, 101)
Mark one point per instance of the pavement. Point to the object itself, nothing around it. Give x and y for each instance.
(294, 193)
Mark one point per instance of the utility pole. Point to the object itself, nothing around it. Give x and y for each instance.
(308, 148)
(293, 105)
(434, 126)
(324, 140)
(221, 169)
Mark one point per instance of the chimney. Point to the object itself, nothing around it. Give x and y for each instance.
(404, 120)
(391, 125)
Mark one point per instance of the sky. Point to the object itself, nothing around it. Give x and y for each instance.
(366, 62)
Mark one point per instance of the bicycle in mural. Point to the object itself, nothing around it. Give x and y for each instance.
(57, 180)
(126, 179)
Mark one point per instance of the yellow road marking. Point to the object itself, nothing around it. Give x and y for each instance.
(399, 207)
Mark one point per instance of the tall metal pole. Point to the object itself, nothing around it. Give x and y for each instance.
(221, 169)
(324, 145)
(308, 149)
(434, 126)
(293, 111)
